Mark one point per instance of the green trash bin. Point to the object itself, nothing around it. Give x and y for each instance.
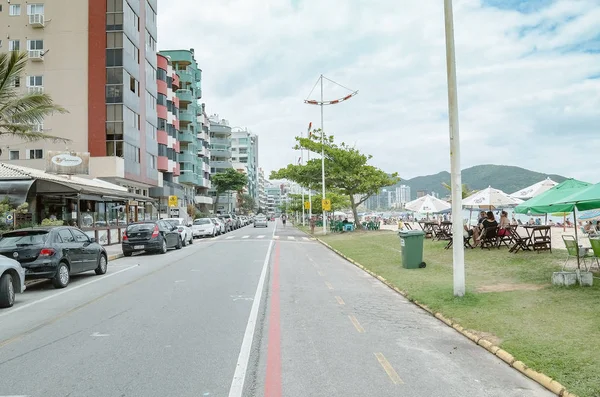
(411, 245)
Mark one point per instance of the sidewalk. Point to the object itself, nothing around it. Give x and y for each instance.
(114, 251)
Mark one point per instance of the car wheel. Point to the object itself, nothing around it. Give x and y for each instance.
(62, 277)
(182, 241)
(192, 240)
(102, 265)
(127, 253)
(7, 291)
(163, 247)
(179, 244)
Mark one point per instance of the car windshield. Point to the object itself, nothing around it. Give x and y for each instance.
(203, 221)
(140, 227)
(24, 237)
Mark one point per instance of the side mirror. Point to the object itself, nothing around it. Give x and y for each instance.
(189, 224)
(173, 228)
(92, 240)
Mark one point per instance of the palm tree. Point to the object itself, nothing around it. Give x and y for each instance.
(466, 192)
(20, 113)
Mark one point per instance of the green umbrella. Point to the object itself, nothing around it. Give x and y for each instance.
(586, 199)
(548, 202)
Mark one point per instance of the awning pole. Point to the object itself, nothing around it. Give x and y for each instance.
(576, 237)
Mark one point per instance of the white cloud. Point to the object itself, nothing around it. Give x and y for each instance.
(525, 93)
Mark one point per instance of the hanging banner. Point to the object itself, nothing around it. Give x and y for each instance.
(68, 163)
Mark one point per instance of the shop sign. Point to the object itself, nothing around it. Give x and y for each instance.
(68, 163)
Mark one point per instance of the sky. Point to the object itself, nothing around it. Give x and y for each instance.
(528, 77)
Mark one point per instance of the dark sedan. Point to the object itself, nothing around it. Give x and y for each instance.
(150, 236)
(54, 253)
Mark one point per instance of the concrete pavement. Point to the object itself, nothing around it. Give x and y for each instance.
(195, 322)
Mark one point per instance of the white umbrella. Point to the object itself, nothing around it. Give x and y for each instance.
(535, 189)
(490, 198)
(427, 204)
(339, 213)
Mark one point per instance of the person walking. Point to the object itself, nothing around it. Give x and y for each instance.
(313, 223)
(283, 219)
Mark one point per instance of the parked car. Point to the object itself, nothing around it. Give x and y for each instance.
(12, 281)
(261, 220)
(220, 225)
(229, 222)
(203, 227)
(54, 253)
(184, 230)
(150, 236)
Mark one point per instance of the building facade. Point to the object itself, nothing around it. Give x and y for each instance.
(403, 195)
(262, 193)
(220, 159)
(111, 57)
(244, 157)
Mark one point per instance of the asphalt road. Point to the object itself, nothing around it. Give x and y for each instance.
(257, 312)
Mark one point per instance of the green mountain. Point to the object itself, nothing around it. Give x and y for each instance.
(509, 179)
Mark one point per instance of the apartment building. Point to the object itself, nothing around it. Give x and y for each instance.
(188, 132)
(262, 194)
(97, 59)
(244, 156)
(220, 158)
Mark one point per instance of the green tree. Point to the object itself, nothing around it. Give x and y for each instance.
(230, 180)
(247, 203)
(339, 201)
(346, 170)
(466, 192)
(20, 113)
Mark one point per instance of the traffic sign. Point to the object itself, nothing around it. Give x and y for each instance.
(173, 201)
(326, 204)
(307, 205)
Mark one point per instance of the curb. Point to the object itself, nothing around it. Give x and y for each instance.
(114, 257)
(502, 354)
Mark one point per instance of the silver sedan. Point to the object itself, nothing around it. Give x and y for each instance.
(12, 281)
(260, 221)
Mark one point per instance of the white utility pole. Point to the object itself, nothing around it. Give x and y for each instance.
(458, 250)
(302, 163)
(323, 160)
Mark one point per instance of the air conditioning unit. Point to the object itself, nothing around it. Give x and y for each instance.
(36, 20)
(36, 55)
(37, 128)
(35, 90)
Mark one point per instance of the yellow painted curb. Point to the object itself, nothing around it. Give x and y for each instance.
(502, 354)
(114, 257)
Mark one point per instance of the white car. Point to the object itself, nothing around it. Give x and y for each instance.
(204, 227)
(184, 230)
(220, 225)
(12, 281)
(260, 220)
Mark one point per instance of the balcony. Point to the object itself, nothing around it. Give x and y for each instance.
(185, 76)
(220, 141)
(221, 164)
(36, 55)
(186, 116)
(220, 129)
(185, 96)
(187, 137)
(37, 21)
(219, 152)
(35, 90)
(187, 157)
(190, 178)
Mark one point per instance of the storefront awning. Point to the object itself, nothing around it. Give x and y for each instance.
(15, 190)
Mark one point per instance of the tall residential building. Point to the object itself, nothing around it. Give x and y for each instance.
(244, 156)
(403, 195)
(96, 58)
(262, 194)
(192, 154)
(220, 158)
(274, 198)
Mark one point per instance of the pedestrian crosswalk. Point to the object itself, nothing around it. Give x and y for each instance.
(262, 237)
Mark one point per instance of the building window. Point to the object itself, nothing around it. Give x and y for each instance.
(35, 81)
(114, 112)
(134, 85)
(14, 45)
(114, 148)
(14, 10)
(114, 57)
(35, 45)
(114, 131)
(13, 155)
(162, 99)
(161, 74)
(162, 124)
(114, 40)
(114, 5)
(114, 94)
(150, 131)
(114, 21)
(114, 76)
(131, 49)
(33, 9)
(16, 82)
(152, 162)
(36, 154)
(150, 42)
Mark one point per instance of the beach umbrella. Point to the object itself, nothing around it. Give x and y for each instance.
(547, 202)
(490, 198)
(535, 189)
(588, 215)
(427, 204)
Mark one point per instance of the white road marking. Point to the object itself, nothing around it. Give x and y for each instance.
(276, 237)
(66, 291)
(229, 237)
(305, 239)
(261, 236)
(241, 298)
(20, 395)
(291, 238)
(245, 236)
(199, 270)
(96, 334)
(239, 377)
(180, 281)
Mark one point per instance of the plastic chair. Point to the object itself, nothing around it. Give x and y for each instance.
(573, 251)
(595, 243)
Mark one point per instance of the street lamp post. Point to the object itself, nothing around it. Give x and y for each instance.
(458, 250)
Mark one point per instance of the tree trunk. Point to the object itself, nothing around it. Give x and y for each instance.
(216, 203)
(354, 212)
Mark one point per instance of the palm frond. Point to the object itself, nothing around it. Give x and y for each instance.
(12, 65)
(25, 133)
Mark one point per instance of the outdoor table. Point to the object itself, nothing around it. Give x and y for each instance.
(538, 238)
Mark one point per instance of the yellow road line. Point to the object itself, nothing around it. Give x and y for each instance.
(389, 370)
(356, 324)
(340, 300)
(328, 284)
